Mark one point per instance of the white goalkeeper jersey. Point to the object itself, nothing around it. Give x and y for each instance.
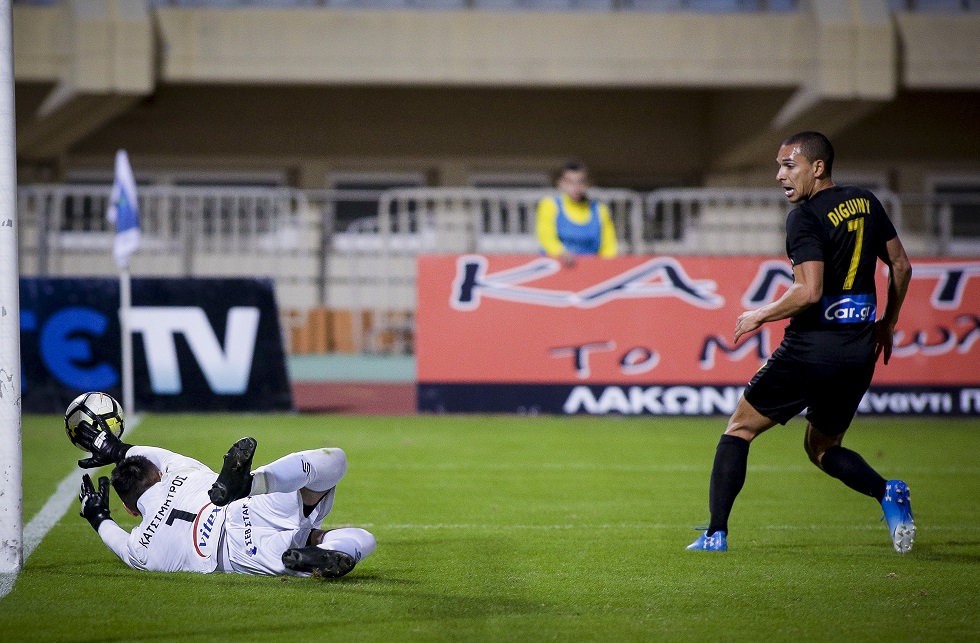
(181, 529)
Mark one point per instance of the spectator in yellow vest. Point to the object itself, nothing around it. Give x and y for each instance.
(571, 223)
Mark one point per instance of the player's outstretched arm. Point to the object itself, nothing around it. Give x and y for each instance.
(95, 509)
(105, 447)
(95, 502)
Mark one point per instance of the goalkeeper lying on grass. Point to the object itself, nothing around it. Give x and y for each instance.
(265, 521)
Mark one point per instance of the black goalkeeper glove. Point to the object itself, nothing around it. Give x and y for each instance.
(105, 447)
(95, 504)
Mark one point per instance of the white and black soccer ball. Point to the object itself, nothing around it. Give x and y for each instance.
(97, 410)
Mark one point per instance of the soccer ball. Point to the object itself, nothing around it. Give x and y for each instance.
(95, 409)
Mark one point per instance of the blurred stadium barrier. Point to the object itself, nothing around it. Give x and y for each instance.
(726, 221)
(347, 285)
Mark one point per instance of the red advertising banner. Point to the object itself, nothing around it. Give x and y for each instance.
(653, 321)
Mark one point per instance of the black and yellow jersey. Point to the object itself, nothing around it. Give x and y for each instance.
(846, 228)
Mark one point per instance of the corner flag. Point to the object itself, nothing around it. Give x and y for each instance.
(124, 211)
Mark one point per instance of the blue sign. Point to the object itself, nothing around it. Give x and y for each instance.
(198, 344)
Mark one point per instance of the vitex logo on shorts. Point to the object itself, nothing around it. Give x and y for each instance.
(204, 528)
(848, 309)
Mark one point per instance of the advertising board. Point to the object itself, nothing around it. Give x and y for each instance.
(198, 344)
(653, 335)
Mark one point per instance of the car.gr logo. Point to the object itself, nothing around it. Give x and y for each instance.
(848, 309)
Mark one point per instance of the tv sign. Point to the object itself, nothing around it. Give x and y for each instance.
(199, 344)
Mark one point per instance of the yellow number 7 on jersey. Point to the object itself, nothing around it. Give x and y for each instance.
(855, 225)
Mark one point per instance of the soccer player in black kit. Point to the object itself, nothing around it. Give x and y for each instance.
(834, 237)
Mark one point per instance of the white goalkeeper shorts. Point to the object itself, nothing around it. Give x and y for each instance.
(258, 529)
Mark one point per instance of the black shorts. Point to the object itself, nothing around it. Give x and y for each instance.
(830, 392)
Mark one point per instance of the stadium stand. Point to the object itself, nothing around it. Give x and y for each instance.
(352, 289)
(247, 122)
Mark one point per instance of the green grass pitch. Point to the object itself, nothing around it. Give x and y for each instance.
(530, 529)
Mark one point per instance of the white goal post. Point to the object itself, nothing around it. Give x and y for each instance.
(11, 490)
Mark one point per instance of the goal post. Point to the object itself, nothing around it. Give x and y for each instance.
(11, 490)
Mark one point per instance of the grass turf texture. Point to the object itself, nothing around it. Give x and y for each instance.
(512, 528)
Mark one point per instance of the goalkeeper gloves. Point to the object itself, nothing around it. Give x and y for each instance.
(95, 504)
(105, 447)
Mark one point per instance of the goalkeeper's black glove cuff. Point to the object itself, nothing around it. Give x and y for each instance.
(97, 519)
(119, 451)
(114, 455)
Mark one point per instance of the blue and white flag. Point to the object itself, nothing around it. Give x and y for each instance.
(124, 211)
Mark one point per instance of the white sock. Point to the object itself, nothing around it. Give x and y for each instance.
(317, 470)
(353, 541)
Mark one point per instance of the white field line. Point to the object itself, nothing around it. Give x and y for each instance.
(638, 468)
(57, 505)
(873, 526)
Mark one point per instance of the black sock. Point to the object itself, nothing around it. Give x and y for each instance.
(851, 469)
(308, 509)
(727, 478)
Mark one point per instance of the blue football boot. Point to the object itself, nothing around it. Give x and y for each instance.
(897, 506)
(717, 541)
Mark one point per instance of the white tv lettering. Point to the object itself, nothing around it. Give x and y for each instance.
(226, 371)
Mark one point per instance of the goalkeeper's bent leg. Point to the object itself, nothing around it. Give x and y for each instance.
(318, 470)
(353, 541)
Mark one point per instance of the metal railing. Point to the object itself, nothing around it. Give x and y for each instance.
(949, 222)
(184, 224)
(367, 267)
(725, 221)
